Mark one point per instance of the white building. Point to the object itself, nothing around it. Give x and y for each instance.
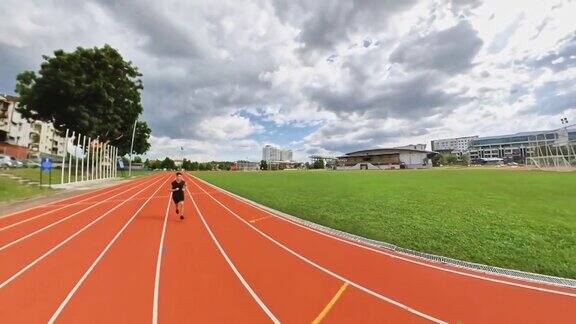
(286, 155)
(386, 158)
(22, 139)
(275, 154)
(420, 147)
(456, 145)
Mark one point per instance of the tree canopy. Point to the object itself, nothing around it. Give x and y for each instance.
(318, 164)
(92, 91)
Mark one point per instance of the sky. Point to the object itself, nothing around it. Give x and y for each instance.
(223, 78)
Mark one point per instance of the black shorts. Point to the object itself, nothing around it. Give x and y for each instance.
(177, 198)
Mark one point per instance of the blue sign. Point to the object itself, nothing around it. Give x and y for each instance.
(46, 164)
(120, 164)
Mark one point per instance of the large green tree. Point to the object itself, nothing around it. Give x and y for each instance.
(168, 164)
(93, 91)
(319, 164)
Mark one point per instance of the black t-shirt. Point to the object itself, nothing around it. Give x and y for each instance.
(178, 194)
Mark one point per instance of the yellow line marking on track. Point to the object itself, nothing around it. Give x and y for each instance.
(331, 303)
(259, 219)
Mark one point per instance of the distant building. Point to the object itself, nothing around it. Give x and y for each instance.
(453, 145)
(512, 145)
(274, 154)
(421, 147)
(22, 139)
(286, 155)
(386, 158)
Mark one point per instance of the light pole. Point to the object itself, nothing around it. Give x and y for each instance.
(132, 147)
(181, 158)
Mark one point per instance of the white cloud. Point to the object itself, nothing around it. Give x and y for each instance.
(226, 127)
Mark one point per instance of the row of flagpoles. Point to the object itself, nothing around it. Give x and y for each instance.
(90, 159)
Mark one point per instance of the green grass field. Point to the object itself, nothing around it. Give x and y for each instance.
(11, 190)
(33, 174)
(515, 219)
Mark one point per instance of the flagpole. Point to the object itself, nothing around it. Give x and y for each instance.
(132, 148)
(83, 158)
(181, 158)
(88, 158)
(64, 158)
(76, 156)
(70, 158)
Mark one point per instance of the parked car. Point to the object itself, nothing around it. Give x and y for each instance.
(31, 163)
(16, 163)
(5, 161)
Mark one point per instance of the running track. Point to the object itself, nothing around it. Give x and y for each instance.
(120, 255)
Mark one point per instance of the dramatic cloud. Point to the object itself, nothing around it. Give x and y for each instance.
(224, 78)
(451, 50)
(326, 24)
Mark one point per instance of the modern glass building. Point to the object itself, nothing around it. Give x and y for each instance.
(513, 145)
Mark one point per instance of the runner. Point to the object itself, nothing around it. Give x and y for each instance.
(178, 187)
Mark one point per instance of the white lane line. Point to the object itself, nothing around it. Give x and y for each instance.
(118, 200)
(395, 256)
(62, 207)
(31, 264)
(231, 264)
(319, 267)
(100, 256)
(158, 265)
(62, 200)
(60, 221)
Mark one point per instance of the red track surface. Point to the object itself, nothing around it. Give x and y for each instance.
(120, 255)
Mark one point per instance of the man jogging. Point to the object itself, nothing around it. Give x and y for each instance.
(178, 187)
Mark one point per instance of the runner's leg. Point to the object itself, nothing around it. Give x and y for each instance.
(181, 208)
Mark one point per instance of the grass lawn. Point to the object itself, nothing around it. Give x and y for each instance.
(34, 174)
(11, 189)
(515, 219)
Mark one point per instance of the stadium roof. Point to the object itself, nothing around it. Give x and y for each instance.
(380, 151)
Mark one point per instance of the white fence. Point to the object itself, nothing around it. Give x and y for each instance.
(87, 159)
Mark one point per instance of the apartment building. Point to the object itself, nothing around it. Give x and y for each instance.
(22, 139)
(453, 145)
(274, 154)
